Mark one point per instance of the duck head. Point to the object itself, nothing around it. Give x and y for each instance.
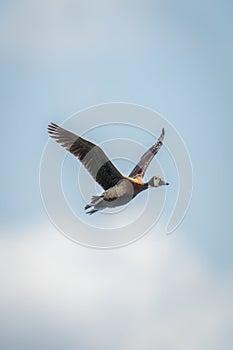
(157, 181)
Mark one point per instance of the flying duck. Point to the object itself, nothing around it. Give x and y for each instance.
(118, 188)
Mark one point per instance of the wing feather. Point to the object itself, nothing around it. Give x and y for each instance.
(140, 168)
(91, 156)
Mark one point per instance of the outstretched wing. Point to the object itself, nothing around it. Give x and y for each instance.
(91, 156)
(147, 157)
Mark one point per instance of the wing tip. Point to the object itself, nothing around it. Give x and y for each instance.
(52, 125)
(52, 129)
(161, 137)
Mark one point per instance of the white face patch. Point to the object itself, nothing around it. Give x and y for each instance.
(157, 180)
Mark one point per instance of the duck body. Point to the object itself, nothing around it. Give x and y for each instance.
(122, 193)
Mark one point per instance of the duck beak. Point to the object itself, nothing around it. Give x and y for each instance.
(162, 183)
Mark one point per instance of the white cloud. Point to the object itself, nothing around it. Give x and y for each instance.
(152, 294)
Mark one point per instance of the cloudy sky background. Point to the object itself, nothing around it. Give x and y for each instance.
(58, 57)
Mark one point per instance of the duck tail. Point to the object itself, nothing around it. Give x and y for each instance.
(94, 201)
(91, 211)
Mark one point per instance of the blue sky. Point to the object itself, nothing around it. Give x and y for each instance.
(58, 57)
(173, 58)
